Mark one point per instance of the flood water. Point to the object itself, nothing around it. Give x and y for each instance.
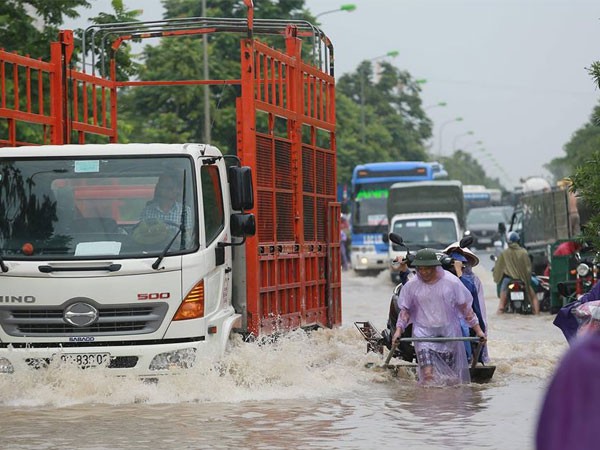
(301, 392)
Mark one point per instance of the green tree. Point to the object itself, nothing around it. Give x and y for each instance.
(395, 125)
(580, 148)
(463, 167)
(126, 66)
(586, 179)
(28, 26)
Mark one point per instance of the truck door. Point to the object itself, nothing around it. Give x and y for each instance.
(212, 226)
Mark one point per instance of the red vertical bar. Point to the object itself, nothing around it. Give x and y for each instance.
(103, 96)
(246, 121)
(16, 85)
(280, 85)
(94, 105)
(258, 86)
(273, 82)
(85, 105)
(75, 117)
(28, 88)
(57, 96)
(265, 78)
(113, 104)
(3, 84)
(41, 92)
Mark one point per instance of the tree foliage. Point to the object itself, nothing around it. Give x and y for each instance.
(580, 148)
(379, 119)
(28, 26)
(464, 167)
(585, 148)
(126, 66)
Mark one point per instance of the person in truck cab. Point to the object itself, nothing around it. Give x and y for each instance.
(514, 263)
(166, 208)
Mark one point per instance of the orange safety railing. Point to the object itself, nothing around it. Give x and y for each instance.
(44, 102)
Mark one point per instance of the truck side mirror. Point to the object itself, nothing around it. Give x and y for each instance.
(243, 225)
(240, 187)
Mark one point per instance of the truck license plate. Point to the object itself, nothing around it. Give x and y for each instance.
(84, 360)
(517, 296)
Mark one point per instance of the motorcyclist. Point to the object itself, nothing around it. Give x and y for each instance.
(566, 320)
(434, 302)
(457, 262)
(514, 263)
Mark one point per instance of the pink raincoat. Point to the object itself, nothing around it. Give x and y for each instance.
(435, 309)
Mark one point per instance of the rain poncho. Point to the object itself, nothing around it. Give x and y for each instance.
(513, 262)
(565, 318)
(569, 418)
(469, 275)
(588, 317)
(435, 309)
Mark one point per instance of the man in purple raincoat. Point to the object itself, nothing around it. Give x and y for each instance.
(570, 418)
(434, 302)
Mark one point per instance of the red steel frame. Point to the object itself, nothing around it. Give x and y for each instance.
(293, 263)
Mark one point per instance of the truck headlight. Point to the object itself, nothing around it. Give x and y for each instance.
(6, 366)
(583, 270)
(177, 359)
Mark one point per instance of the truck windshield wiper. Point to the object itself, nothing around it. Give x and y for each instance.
(166, 249)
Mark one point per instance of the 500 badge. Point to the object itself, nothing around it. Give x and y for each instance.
(154, 296)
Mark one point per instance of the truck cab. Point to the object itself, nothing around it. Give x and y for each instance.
(426, 214)
(422, 230)
(90, 257)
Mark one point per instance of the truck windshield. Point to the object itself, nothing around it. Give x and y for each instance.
(116, 207)
(434, 232)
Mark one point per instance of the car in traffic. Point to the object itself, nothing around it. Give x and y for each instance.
(483, 224)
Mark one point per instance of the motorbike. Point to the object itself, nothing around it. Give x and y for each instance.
(586, 273)
(541, 287)
(377, 340)
(516, 294)
(517, 297)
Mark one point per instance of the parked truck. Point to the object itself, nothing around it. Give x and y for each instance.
(544, 217)
(426, 214)
(92, 274)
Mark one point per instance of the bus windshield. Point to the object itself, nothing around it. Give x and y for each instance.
(370, 187)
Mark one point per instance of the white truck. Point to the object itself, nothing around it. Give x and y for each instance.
(426, 214)
(93, 274)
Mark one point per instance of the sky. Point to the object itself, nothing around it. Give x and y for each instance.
(514, 71)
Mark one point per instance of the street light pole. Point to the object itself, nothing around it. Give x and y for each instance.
(471, 144)
(362, 76)
(442, 126)
(348, 7)
(457, 138)
(437, 105)
(207, 136)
